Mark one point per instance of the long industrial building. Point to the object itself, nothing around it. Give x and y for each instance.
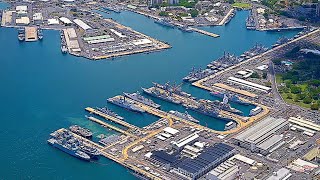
(210, 158)
(193, 168)
(249, 84)
(262, 137)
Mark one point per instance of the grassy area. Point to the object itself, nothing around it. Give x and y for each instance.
(241, 5)
(292, 98)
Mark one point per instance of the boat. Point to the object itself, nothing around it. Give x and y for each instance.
(255, 111)
(163, 96)
(21, 34)
(84, 132)
(93, 152)
(69, 148)
(110, 112)
(64, 49)
(232, 98)
(230, 125)
(164, 22)
(40, 34)
(185, 28)
(122, 102)
(176, 89)
(185, 116)
(141, 99)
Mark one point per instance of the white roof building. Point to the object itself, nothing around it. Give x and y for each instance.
(53, 21)
(23, 21)
(81, 24)
(65, 20)
(170, 130)
(37, 17)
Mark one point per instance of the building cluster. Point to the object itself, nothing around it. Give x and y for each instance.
(263, 137)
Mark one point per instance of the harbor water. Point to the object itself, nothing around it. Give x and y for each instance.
(43, 90)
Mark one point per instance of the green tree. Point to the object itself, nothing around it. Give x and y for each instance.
(255, 75)
(295, 89)
(307, 100)
(314, 106)
(289, 96)
(194, 13)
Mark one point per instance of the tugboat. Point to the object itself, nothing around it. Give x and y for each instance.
(64, 49)
(139, 98)
(110, 113)
(185, 116)
(21, 34)
(84, 132)
(122, 102)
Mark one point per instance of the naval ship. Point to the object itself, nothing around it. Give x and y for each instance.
(141, 99)
(84, 132)
(21, 34)
(232, 97)
(93, 152)
(122, 102)
(185, 116)
(163, 96)
(109, 112)
(164, 22)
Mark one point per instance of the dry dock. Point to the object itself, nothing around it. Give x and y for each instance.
(113, 119)
(31, 34)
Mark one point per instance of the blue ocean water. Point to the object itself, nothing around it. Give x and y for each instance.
(43, 90)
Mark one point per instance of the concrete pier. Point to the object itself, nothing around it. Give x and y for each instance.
(31, 34)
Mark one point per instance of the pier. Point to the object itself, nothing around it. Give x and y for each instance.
(224, 20)
(113, 119)
(113, 158)
(204, 32)
(31, 34)
(96, 120)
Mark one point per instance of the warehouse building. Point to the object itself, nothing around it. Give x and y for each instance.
(307, 127)
(249, 84)
(81, 24)
(210, 158)
(163, 158)
(184, 141)
(225, 171)
(262, 137)
(65, 21)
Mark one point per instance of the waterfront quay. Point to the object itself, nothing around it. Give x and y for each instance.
(84, 32)
(252, 89)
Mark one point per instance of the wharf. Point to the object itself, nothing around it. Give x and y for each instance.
(239, 91)
(115, 159)
(31, 34)
(96, 120)
(199, 83)
(113, 119)
(204, 32)
(224, 20)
